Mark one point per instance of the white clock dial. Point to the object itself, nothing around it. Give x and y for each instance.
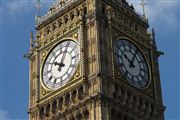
(131, 63)
(60, 64)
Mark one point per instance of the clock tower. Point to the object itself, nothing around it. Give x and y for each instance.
(94, 60)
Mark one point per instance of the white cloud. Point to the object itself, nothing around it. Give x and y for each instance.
(3, 115)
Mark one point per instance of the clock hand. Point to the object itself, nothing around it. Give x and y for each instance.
(61, 64)
(132, 61)
(64, 53)
(125, 56)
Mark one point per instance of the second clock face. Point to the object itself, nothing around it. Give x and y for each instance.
(60, 65)
(131, 63)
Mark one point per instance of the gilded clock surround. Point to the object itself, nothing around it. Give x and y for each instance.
(97, 90)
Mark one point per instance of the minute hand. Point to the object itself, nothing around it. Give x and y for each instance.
(61, 64)
(132, 61)
(64, 54)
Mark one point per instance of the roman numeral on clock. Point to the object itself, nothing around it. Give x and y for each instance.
(121, 64)
(46, 72)
(72, 65)
(119, 56)
(142, 61)
(73, 57)
(55, 81)
(144, 70)
(72, 50)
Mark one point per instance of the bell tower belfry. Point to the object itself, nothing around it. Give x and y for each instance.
(94, 60)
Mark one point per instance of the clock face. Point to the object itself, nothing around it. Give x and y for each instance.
(131, 63)
(60, 65)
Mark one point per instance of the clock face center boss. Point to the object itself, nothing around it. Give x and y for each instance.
(60, 64)
(131, 63)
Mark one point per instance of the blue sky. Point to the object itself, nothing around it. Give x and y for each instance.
(17, 20)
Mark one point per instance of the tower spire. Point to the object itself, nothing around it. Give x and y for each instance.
(38, 6)
(143, 7)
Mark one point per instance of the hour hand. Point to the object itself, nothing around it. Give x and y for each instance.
(125, 56)
(60, 65)
(130, 62)
(59, 69)
(56, 63)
